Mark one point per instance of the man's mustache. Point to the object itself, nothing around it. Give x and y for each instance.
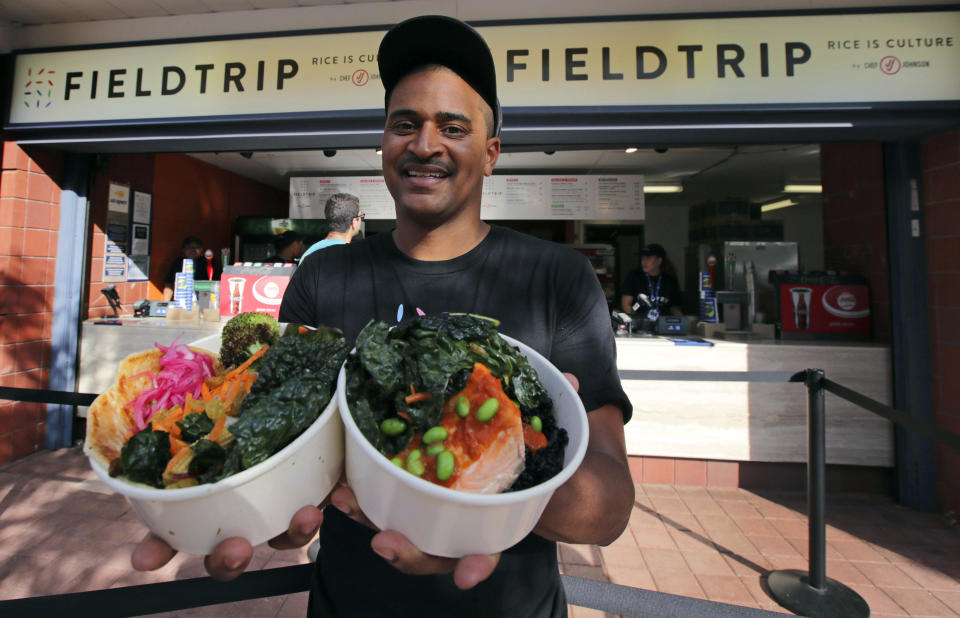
(410, 159)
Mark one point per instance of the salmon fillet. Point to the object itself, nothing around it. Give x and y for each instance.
(488, 455)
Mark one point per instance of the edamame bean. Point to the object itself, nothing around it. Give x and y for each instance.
(397, 462)
(463, 406)
(536, 423)
(392, 426)
(434, 434)
(487, 410)
(445, 465)
(435, 449)
(415, 463)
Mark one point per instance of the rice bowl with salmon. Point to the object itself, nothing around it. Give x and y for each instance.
(456, 435)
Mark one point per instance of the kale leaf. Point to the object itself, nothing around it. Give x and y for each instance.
(207, 461)
(145, 455)
(295, 382)
(194, 426)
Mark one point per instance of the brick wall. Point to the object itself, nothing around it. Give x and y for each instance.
(855, 222)
(29, 218)
(189, 198)
(941, 196)
(203, 200)
(137, 172)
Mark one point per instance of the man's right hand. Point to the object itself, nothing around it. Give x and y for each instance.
(231, 556)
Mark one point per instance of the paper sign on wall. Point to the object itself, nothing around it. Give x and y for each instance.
(529, 197)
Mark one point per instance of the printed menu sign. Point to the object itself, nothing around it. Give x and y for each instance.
(116, 235)
(504, 197)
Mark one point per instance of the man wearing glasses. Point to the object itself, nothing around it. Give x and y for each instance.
(344, 220)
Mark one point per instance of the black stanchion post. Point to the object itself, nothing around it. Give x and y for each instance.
(816, 479)
(812, 593)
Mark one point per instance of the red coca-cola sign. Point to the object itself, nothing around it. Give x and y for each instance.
(243, 292)
(819, 308)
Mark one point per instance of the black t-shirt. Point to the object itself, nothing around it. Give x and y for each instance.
(545, 295)
(662, 290)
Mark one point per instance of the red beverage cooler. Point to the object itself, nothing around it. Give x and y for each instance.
(253, 287)
(822, 305)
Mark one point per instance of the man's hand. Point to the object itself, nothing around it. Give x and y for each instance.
(405, 557)
(231, 556)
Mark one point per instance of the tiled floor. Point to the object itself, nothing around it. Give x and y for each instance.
(60, 533)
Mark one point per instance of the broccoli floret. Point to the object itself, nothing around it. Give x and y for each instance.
(244, 334)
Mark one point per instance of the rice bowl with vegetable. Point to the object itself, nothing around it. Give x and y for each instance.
(204, 452)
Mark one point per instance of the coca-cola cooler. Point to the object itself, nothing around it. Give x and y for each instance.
(246, 287)
(822, 305)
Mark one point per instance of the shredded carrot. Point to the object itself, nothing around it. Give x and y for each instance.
(248, 362)
(176, 445)
(413, 391)
(217, 428)
(302, 329)
(404, 416)
(204, 392)
(415, 397)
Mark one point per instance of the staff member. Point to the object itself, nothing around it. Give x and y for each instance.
(652, 292)
(191, 249)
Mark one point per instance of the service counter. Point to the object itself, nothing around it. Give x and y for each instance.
(755, 421)
(104, 343)
(714, 420)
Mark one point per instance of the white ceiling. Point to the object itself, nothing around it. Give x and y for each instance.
(755, 172)
(39, 12)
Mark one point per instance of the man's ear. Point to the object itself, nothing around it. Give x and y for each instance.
(491, 156)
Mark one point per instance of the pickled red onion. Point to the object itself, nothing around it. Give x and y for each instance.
(182, 371)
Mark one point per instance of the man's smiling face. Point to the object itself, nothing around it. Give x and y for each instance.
(435, 146)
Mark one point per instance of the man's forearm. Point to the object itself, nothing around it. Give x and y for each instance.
(594, 505)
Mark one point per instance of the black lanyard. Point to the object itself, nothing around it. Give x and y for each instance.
(654, 293)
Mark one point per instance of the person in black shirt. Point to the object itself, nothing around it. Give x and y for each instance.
(289, 248)
(440, 140)
(191, 249)
(651, 292)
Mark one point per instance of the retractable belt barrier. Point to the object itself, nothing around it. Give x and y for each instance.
(31, 395)
(810, 593)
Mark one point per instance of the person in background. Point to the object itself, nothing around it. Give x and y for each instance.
(650, 293)
(289, 248)
(344, 219)
(191, 249)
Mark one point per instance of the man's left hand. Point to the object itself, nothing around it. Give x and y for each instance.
(396, 549)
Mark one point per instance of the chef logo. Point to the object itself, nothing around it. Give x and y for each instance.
(267, 291)
(38, 89)
(360, 77)
(890, 65)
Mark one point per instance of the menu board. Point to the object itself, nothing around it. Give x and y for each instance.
(309, 194)
(504, 196)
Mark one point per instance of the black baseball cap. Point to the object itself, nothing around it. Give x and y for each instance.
(437, 39)
(653, 249)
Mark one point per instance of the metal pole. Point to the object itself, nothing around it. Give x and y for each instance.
(812, 593)
(816, 478)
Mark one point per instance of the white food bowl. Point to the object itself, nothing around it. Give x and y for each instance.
(451, 523)
(256, 503)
